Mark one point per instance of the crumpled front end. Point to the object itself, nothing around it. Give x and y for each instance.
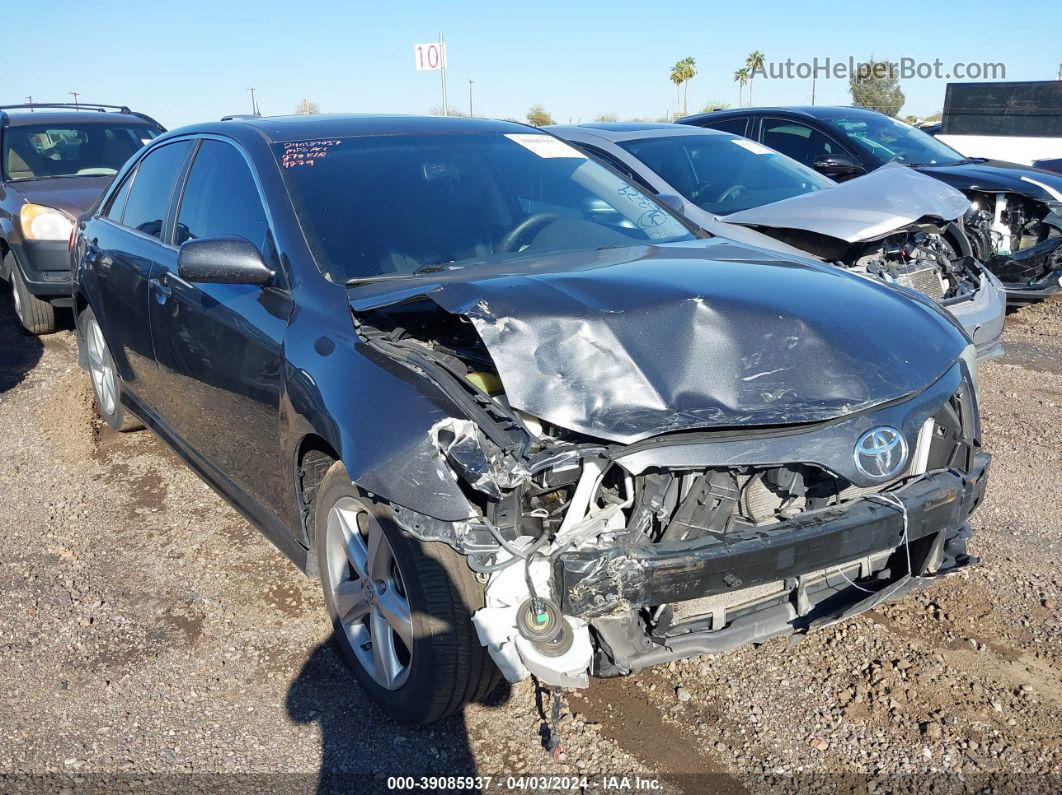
(1020, 240)
(603, 555)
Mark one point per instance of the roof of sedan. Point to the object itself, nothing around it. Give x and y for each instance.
(814, 111)
(626, 131)
(306, 126)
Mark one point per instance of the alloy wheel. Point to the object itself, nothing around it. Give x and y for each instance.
(101, 368)
(369, 593)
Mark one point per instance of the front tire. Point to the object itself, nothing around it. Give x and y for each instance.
(35, 315)
(106, 384)
(400, 608)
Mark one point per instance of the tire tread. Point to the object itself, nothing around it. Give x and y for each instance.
(38, 317)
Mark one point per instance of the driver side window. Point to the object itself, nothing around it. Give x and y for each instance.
(221, 200)
(798, 141)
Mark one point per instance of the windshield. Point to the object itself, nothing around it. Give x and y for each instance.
(891, 140)
(724, 174)
(391, 205)
(70, 150)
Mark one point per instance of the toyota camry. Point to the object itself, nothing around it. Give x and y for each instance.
(517, 416)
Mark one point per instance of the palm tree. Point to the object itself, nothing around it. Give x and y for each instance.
(753, 63)
(677, 77)
(689, 71)
(741, 77)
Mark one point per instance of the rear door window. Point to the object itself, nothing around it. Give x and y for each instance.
(736, 126)
(153, 184)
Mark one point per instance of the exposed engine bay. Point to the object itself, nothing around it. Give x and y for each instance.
(922, 259)
(933, 259)
(1018, 238)
(601, 558)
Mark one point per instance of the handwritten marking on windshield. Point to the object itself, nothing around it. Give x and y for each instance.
(305, 153)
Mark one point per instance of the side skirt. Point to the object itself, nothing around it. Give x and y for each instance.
(272, 528)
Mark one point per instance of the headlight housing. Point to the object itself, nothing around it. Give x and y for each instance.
(44, 223)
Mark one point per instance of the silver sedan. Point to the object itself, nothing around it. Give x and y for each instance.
(894, 224)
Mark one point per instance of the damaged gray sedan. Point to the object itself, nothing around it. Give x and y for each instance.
(515, 414)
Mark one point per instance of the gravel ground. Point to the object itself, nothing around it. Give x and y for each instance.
(150, 635)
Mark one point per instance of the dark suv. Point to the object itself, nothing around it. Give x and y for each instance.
(55, 160)
(512, 411)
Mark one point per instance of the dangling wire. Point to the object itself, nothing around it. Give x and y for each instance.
(896, 502)
(554, 723)
(893, 502)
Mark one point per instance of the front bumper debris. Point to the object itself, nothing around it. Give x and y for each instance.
(1018, 295)
(1032, 273)
(820, 567)
(596, 582)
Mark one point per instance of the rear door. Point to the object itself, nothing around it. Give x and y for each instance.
(127, 245)
(219, 347)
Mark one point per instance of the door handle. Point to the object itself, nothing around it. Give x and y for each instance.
(95, 256)
(162, 292)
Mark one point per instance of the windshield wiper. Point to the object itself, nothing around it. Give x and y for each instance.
(391, 277)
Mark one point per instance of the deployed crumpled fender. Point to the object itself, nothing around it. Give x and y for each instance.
(864, 208)
(383, 417)
(627, 344)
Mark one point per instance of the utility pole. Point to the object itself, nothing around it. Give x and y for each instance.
(254, 105)
(470, 98)
(812, 86)
(442, 73)
(29, 99)
(75, 95)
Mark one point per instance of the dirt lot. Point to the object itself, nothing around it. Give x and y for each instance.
(149, 633)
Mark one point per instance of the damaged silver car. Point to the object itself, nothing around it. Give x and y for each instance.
(895, 224)
(515, 414)
(1015, 218)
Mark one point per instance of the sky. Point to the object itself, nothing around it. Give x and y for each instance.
(191, 61)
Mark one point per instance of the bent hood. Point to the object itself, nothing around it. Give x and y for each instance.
(994, 176)
(864, 208)
(624, 345)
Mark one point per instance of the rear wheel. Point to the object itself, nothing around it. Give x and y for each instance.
(35, 315)
(401, 609)
(105, 382)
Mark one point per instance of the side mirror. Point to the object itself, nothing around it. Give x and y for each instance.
(838, 166)
(672, 202)
(222, 260)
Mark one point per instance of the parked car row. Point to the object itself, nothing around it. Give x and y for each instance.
(1015, 219)
(536, 406)
(895, 224)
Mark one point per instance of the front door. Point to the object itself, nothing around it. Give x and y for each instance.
(219, 347)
